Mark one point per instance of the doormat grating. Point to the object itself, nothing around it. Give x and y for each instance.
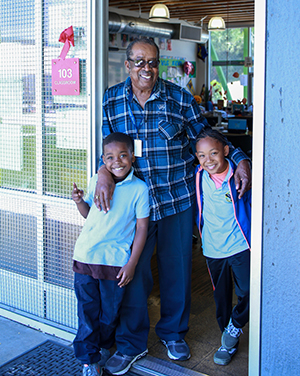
(51, 358)
(47, 359)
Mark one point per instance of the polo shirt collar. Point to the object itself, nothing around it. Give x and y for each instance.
(128, 178)
(228, 175)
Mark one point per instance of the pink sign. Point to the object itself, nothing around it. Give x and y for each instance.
(65, 72)
(65, 77)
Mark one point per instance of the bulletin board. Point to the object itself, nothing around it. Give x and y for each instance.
(171, 69)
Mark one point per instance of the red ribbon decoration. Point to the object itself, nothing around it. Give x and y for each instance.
(66, 37)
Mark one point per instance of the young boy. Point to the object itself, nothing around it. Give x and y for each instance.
(106, 252)
(224, 222)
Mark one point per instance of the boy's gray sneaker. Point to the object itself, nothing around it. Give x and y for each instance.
(223, 356)
(92, 370)
(177, 350)
(118, 364)
(230, 336)
(105, 355)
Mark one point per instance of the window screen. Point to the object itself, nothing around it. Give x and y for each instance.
(43, 150)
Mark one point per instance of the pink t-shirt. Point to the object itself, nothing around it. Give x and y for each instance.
(219, 178)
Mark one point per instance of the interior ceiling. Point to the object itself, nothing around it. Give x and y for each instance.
(233, 11)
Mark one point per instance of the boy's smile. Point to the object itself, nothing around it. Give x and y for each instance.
(211, 154)
(118, 159)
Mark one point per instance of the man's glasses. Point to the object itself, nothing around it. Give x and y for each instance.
(141, 63)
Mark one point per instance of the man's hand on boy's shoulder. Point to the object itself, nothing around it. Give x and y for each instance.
(104, 189)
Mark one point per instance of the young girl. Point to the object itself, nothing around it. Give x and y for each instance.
(224, 224)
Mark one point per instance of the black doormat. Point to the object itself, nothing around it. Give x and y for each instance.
(47, 359)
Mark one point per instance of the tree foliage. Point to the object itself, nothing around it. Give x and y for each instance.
(229, 43)
(228, 46)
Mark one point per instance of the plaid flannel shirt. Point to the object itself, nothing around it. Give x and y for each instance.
(169, 122)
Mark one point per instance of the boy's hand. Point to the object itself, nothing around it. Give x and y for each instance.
(126, 274)
(77, 194)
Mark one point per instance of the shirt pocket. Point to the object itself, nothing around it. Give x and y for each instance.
(170, 130)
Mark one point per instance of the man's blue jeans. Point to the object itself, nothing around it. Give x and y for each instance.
(173, 238)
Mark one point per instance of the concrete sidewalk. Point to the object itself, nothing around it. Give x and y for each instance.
(16, 339)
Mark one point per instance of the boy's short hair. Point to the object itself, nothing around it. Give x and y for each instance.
(118, 137)
(212, 133)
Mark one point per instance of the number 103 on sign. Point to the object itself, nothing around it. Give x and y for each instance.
(65, 77)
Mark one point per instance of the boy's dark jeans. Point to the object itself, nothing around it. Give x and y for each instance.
(99, 303)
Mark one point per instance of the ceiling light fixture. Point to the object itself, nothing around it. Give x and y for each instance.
(216, 23)
(159, 13)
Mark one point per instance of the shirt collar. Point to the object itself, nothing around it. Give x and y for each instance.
(229, 172)
(159, 90)
(128, 178)
(228, 175)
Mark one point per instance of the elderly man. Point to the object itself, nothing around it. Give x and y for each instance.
(163, 120)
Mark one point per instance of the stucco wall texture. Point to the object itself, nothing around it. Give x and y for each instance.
(280, 335)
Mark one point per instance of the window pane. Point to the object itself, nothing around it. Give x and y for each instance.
(228, 51)
(228, 44)
(17, 95)
(18, 235)
(252, 41)
(66, 117)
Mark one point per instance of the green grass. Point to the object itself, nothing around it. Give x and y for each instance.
(61, 167)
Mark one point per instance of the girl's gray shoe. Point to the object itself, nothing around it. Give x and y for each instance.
(230, 336)
(223, 356)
